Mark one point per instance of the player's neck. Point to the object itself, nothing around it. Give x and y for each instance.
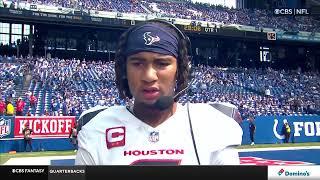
(151, 116)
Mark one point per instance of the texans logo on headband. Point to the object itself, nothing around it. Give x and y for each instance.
(149, 40)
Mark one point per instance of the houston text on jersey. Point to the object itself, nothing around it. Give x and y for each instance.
(153, 152)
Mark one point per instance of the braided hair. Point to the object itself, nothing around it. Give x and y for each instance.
(183, 61)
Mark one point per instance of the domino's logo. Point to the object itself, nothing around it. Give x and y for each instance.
(281, 172)
(291, 173)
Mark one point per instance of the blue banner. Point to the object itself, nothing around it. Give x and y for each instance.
(269, 129)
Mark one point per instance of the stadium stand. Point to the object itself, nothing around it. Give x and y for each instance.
(70, 86)
(259, 18)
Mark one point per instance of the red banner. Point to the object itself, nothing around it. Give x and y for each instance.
(46, 126)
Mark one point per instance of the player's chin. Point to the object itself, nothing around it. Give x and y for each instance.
(145, 102)
(149, 102)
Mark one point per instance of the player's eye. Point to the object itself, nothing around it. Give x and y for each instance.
(163, 64)
(137, 64)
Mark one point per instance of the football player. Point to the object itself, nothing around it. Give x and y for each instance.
(152, 69)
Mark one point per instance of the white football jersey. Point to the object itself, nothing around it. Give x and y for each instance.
(116, 137)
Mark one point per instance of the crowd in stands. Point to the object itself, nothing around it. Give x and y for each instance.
(253, 17)
(259, 18)
(259, 92)
(124, 6)
(11, 79)
(70, 86)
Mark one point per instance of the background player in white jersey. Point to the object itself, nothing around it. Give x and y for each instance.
(152, 69)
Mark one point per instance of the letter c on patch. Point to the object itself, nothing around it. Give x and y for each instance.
(115, 136)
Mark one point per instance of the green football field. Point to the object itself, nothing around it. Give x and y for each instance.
(6, 156)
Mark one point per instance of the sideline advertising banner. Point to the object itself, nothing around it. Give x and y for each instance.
(45, 126)
(304, 128)
(49, 132)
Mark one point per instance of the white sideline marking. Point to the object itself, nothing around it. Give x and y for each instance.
(278, 148)
(44, 160)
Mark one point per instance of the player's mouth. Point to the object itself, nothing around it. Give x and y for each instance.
(151, 93)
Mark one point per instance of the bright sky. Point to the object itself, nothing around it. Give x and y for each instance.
(228, 3)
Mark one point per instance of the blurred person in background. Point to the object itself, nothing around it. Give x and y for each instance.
(10, 108)
(27, 137)
(2, 106)
(73, 137)
(20, 104)
(252, 128)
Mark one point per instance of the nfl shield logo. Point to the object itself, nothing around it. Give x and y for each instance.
(4, 127)
(154, 137)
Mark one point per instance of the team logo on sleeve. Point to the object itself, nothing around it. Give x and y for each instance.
(115, 137)
(154, 137)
